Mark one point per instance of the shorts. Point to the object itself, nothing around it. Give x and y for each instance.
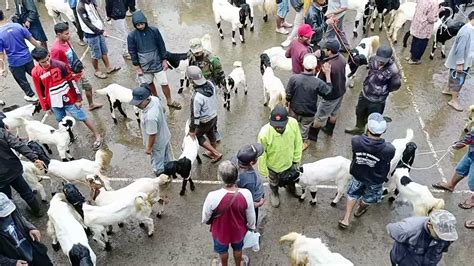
(456, 80)
(221, 248)
(326, 109)
(77, 113)
(147, 78)
(84, 85)
(465, 167)
(159, 157)
(305, 122)
(207, 129)
(283, 8)
(370, 194)
(98, 46)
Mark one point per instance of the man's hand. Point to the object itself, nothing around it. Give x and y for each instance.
(21, 263)
(149, 151)
(192, 134)
(27, 24)
(78, 104)
(139, 71)
(35, 235)
(460, 68)
(317, 53)
(40, 164)
(458, 145)
(3, 72)
(165, 65)
(326, 68)
(259, 203)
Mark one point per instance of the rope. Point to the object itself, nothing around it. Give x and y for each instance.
(448, 151)
(454, 74)
(338, 33)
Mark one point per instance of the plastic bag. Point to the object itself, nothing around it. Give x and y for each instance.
(252, 240)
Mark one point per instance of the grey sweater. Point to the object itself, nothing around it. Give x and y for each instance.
(203, 105)
(462, 51)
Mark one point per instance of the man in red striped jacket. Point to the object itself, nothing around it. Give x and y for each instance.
(58, 92)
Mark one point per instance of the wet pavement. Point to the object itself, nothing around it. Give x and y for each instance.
(180, 238)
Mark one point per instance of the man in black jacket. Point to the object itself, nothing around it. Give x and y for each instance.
(11, 169)
(302, 93)
(19, 239)
(148, 52)
(315, 18)
(383, 78)
(371, 157)
(28, 16)
(116, 11)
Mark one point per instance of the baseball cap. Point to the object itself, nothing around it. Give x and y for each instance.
(305, 30)
(139, 95)
(383, 54)
(195, 45)
(249, 153)
(332, 45)
(279, 116)
(6, 205)
(377, 124)
(310, 61)
(195, 74)
(444, 224)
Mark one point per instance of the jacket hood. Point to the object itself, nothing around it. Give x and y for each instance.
(390, 62)
(372, 145)
(139, 17)
(206, 89)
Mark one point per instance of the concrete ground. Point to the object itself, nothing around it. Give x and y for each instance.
(180, 238)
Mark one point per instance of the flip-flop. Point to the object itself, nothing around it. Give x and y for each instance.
(216, 159)
(455, 107)
(469, 224)
(207, 154)
(441, 186)
(342, 226)
(465, 205)
(95, 107)
(100, 75)
(97, 144)
(358, 213)
(175, 105)
(115, 69)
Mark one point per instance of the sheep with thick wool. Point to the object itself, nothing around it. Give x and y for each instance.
(66, 228)
(312, 252)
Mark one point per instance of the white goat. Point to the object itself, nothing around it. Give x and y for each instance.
(65, 226)
(58, 8)
(312, 251)
(269, 7)
(33, 177)
(2, 102)
(277, 59)
(400, 146)
(360, 56)
(135, 206)
(359, 7)
(233, 81)
(78, 170)
(223, 10)
(273, 89)
(14, 116)
(418, 195)
(405, 13)
(117, 94)
(327, 169)
(48, 135)
(155, 188)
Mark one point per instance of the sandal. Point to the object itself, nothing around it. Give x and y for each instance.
(469, 224)
(342, 225)
(217, 158)
(115, 69)
(465, 205)
(95, 106)
(97, 144)
(207, 154)
(442, 186)
(175, 105)
(360, 210)
(100, 75)
(455, 106)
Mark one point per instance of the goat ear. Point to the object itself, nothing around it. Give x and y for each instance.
(362, 45)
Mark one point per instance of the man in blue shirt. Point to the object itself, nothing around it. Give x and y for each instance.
(12, 42)
(249, 178)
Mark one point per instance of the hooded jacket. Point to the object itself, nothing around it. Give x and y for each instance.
(10, 165)
(315, 18)
(26, 10)
(203, 105)
(371, 159)
(89, 18)
(297, 5)
(302, 93)
(380, 82)
(116, 9)
(146, 47)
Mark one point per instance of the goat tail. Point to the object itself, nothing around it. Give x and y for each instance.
(291, 237)
(270, 7)
(102, 157)
(409, 135)
(237, 64)
(375, 43)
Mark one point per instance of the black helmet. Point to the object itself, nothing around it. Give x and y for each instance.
(384, 53)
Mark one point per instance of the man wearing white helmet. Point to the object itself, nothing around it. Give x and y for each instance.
(302, 93)
(422, 240)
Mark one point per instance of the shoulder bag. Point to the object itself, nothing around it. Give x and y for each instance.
(216, 214)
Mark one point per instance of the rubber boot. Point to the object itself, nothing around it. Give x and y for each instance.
(274, 197)
(313, 133)
(328, 128)
(358, 129)
(291, 188)
(35, 208)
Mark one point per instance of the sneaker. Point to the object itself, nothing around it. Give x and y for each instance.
(30, 99)
(282, 31)
(127, 56)
(286, 43)
(414, 62)
(286, 25)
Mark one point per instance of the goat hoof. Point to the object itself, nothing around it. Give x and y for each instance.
(391, 199)
(234, 43)
(44, 201)
(301, 199)
(312, 203)
(193, 187)
(405, 46)
(251, 28)
(181, 193)
(245, 93)
(333, 204)
(150, 235)
(141, 225)
(466, 130)
(88, 231)
(265, 18)
(110, 233)
(222, 37)
(120, 225)
(108, 247)
(443, 56)
(431, 57)
(159, 215)
(115, 121)
(56, 246)
(242, 41)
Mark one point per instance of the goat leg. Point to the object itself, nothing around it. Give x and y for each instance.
(198, 159)
(303, 194)
(242, 33)
(181, 84)
(443, 54)
(405, 39)
(356, 25)
(119, 107)
(313, 197)
(433, 49)
(48, 149)
(233, 37)
(251, 23)
(220, 30)
(183, 187)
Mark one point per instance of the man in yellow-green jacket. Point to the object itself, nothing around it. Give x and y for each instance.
(283, 145)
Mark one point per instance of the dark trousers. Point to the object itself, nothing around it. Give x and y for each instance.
(19, 74)
(418, 47)
(80, 33)
(20, 185)
(131, 5)
(40, 259)
(365, 108)
(256, 217)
